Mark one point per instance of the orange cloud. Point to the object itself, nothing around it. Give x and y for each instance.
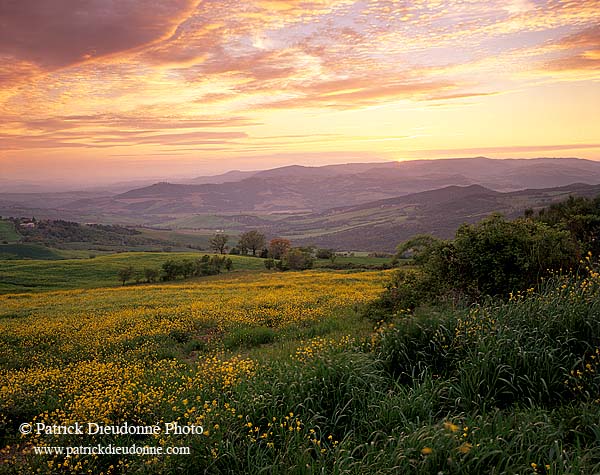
(352, 93)
(583, 51)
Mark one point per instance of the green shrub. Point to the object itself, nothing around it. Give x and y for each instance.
(298, 259)
(269, 263)
(579, 216)
(405, 290)
(493, 257)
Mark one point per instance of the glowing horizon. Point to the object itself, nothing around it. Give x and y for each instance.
(106, 92)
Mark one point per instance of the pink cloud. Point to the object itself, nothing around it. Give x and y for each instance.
(56, 33)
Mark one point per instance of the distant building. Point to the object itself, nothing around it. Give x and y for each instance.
(27, 225)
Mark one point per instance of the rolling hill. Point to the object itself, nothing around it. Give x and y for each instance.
(381, 225)
(367, 206)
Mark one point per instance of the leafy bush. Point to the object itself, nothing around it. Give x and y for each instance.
(579, 216)
(269, 263)
(493, 257)
(498, 256)
(297, 259)
(405, 290)
(206, 265)
(324, 253)
(125, 274)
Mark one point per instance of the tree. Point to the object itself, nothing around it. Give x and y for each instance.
(203, 266)
(187, 268)
(125, 274)
(298, 259)
(151, 274)
(251, 240)
(494, 257)
(497, 256)
(219, 242)
(171, 269)
(324, 253)
(269, 263)
(579, 216)
(216, 263)
(279, 247)
(415, 247)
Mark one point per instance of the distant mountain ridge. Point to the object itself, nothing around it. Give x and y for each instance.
(367, 206)
(314, 189)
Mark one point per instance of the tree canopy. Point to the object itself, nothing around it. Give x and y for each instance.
(252, 241)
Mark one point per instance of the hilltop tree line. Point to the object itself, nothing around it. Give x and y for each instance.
(54, 233)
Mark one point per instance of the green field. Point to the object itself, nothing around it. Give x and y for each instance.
(181, 237)
(54, 269)
(28, 251)
(42, 275)
(40, 252)
(166, 352)
(7, 232)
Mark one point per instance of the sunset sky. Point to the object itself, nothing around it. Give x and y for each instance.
(107, 90)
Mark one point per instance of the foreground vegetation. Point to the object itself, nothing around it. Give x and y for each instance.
(263, 362)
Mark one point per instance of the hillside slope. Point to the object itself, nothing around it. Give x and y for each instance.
(381, 225)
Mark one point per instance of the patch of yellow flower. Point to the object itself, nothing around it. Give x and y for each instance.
(469, 328)
(97, 323)
(315, 347)
(94, 355)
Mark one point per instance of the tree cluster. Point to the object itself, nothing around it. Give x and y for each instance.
(294, 258)
(184, 268)
(326, 254)
(205, 265)
(251, 241)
